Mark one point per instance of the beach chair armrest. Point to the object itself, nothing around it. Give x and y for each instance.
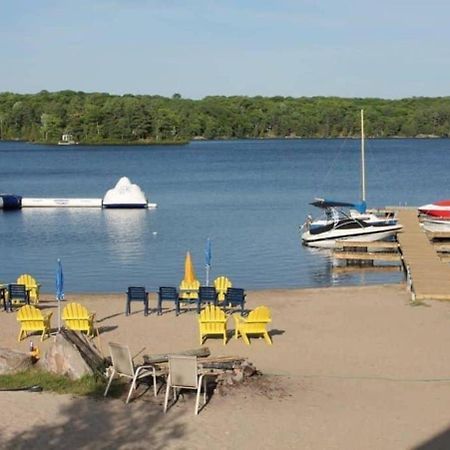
(238, 320)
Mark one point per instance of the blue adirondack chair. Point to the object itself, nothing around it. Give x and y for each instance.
(235, 297)
(206, 295)
(170, 294)
(136, 294)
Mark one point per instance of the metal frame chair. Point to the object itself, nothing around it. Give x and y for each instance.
(122, 365)
(184, 374)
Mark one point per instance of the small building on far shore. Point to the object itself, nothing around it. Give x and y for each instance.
(67, 139)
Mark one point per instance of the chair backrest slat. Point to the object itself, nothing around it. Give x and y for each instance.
(28, 312)
(207, 294)
(17, 291)
(221, 285)
(212, 314)
(136, 293)
(168, 293)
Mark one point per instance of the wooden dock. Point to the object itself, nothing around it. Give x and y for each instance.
(361, 253)
(429, 276)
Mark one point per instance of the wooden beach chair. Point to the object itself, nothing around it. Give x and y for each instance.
(77, 318)
(31, 285)
(188, 292)
(212, 321)
(254, 324)
(31, 319)
(222, 284)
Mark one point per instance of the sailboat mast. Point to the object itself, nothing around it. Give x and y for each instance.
(363, 162)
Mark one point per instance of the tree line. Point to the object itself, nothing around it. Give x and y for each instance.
(105, 118)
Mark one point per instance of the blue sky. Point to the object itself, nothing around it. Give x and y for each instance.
(346, 48)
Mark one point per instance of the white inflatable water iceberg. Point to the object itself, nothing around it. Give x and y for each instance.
(125, 194)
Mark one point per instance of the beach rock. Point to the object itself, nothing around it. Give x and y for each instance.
(72, 354)
(12, 361)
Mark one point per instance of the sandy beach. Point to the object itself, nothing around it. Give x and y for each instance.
(350, 368)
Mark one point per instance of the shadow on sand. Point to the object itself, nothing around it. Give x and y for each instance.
(85, 423)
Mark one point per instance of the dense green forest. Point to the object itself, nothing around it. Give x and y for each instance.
(105, 118)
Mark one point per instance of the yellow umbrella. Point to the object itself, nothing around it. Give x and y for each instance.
(189, 272)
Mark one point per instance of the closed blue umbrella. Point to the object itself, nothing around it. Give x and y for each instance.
(208, 258)
(59, 290)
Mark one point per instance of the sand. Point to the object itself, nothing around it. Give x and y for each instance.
(350, 368)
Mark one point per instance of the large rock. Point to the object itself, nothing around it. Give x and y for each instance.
(72, 354)
(12, 361)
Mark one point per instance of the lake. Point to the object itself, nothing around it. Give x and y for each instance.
(248, 197)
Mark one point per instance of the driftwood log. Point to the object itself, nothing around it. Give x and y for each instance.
(227, 370)
(222, 362)
(164, 357)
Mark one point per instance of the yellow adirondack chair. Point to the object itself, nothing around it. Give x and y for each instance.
(212, 320)
(31, 284)
(32, 319)
(222, 284)
(78, 318)
(189, 290)
(254, 324)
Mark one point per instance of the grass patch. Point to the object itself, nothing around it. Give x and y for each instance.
(419, 303)
(86, 386)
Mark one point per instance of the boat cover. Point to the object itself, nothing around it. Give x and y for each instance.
(325, 204)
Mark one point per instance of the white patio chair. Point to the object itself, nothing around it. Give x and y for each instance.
(122, 365)
(183, 374)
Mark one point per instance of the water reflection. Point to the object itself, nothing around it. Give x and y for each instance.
(328, 271)
(126, 230)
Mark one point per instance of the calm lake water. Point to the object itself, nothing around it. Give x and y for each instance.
(249, 197)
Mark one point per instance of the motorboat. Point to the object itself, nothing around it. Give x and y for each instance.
(348, 221)
(436, 209)
(436, 224)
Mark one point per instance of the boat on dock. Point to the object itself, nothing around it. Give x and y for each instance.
(433, 225)
(348, 221)
(343, 222)
(439, 209)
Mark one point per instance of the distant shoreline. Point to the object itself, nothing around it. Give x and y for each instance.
(221, 139)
